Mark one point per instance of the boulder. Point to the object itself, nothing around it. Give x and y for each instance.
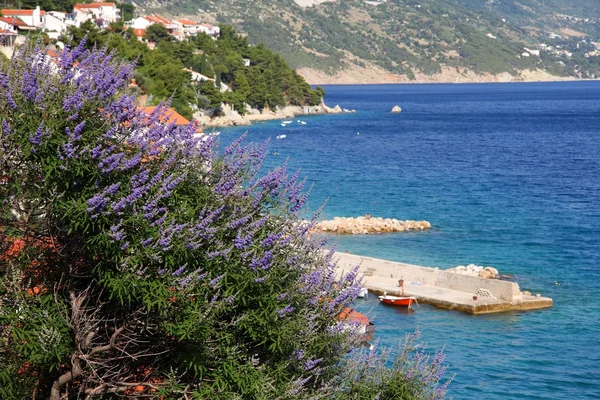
(484, 273)
(396, 109)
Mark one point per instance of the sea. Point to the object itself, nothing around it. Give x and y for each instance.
(508, 174)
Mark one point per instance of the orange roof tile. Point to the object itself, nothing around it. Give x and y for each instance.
(157, 19)
(94, 5)
(187, 22)
(171, 115)
(139, 32)
(13, 21)
(20, 12)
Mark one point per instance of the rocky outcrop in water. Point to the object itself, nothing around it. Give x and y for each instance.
(366, 225)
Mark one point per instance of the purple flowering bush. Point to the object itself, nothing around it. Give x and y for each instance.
(136, 262)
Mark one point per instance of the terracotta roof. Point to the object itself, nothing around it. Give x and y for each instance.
(139, 32)
(94, 5)
(20, 12)
(157, 19)
(171, 115)
(13, 21)
(187, 22)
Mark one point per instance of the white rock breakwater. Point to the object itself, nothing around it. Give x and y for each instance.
(476, 270)
(366, 225)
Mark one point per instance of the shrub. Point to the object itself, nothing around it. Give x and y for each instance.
(137, 262)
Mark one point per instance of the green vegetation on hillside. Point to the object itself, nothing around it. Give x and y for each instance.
(406, 37)
(164, 72)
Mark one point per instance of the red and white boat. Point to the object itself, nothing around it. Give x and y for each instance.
(402, 301)
(360, 320)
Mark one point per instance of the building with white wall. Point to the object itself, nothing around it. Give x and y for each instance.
(33, 18)
(105, 13)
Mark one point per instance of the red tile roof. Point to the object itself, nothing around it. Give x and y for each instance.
(139, 32)
(6, 12)
(94, 5)
(171, 115)
(157, 19)
(13, 21)
(187, 22)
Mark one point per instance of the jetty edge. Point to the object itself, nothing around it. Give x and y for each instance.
(443, 289)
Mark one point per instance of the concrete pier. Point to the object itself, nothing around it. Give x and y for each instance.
(441, 288)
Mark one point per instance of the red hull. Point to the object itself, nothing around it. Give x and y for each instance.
(397, 301)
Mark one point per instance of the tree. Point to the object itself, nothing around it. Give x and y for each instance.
(127, 11)
(204, 66)
(138, 262)
(157, 33)
(208, 89)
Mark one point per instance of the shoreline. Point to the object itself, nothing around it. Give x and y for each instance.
(353, 74)
(455, 83)
(231, 117)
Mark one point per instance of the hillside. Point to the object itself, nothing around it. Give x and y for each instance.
(429, 40)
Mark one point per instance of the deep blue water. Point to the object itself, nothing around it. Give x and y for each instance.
(509, 176)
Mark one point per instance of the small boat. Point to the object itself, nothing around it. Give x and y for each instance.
(214, 133)
(302, 122)
(282, 124)
(364, 293)
(360, 320)
(404, 301)
(281, 136)
(286, 122)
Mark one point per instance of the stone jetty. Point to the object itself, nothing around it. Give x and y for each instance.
(367, 225)
(442, 288)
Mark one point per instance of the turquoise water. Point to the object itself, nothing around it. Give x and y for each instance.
(509, 176)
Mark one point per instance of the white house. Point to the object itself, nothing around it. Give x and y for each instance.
(189, 28)
(8, 31)
(12, 24)
(140, 23)
(213, 31)
(105, 12)
(146, 21)
(7, 25)
(33, 18)
(56, 23)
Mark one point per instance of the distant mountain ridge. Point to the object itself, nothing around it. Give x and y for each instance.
(395, 40)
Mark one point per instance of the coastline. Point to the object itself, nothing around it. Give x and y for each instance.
(355, 75)
(231, 117)
(373, 76)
